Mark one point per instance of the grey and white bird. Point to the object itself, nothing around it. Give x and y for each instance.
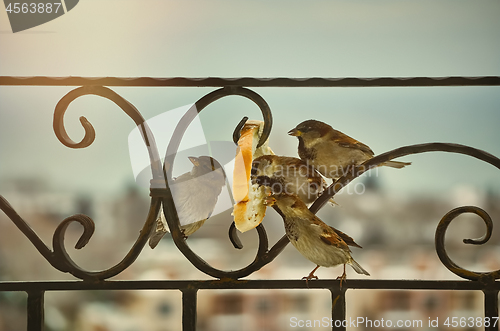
(319, 243)
(195, 195)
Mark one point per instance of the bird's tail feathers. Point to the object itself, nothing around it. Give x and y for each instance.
(396, 164)
(332, 202)
(359, 269)
(161, 229)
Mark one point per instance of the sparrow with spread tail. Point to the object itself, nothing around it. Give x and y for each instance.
(195, 194)
(321, 244)
(331, 152)
(288, 175)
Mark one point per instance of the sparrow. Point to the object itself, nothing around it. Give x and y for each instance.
(318, 242)
(288, 175)
(195, 194)
(331, 152)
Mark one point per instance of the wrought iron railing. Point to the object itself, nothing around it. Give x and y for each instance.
(161, 197)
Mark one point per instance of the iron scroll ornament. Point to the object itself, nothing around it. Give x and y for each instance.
(61, 260)
(171, 216)
(59, 257)
(448, 218)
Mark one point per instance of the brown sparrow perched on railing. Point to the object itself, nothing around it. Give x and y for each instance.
(331, 152)
(321, 244)
(288, 175)
(195, 194)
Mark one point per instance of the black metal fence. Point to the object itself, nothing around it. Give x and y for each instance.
(162, 196)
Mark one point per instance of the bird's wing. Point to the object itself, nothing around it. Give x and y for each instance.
(344, 140)
(184, 177)
(293, 161)
(194, 199)
(302, 169)
(348, 240)
(293, 167)
(328, 236)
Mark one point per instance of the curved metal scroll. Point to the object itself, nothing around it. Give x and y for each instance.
(398, 152)
(443, 255)
(59, 258)
(181, 128)
(168, 203)
(443, 225)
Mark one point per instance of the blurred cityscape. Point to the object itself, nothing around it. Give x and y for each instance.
(396, 231)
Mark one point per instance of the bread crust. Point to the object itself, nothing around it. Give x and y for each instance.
(249, 209)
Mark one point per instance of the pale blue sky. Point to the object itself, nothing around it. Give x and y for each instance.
(260, 39)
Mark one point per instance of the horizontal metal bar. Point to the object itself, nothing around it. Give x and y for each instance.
(248, 284)
(251, 82)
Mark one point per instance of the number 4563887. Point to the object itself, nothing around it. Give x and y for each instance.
(455, 322)
(32, 8)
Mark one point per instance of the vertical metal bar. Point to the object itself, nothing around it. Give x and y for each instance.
(338, 309)
(491, 309)
(36, 310)
(189, 298)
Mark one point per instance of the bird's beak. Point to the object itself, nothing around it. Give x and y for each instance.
(194, 160)
(294, 132)
(269, 201)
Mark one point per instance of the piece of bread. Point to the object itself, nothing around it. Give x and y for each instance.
(249, 209)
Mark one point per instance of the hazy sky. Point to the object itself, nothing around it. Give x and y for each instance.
(259, 39)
